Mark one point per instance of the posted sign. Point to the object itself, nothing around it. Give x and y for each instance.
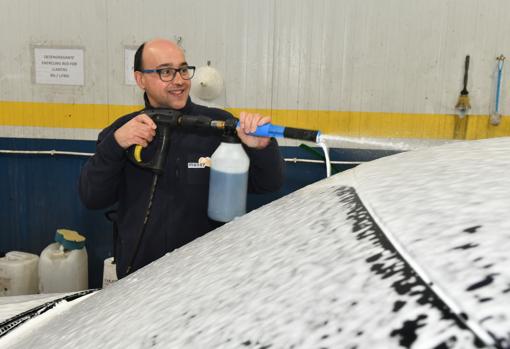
(59, 66)
(129, 59)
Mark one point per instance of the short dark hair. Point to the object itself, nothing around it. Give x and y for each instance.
(138, 65)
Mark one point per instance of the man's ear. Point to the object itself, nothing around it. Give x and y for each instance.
(139, 80)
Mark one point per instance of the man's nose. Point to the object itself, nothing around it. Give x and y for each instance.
(178, 78)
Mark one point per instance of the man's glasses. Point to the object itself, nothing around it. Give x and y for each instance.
(168, 74)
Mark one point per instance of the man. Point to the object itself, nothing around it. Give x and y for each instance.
(179, 208)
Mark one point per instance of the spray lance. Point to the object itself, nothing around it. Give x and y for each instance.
(229, 163)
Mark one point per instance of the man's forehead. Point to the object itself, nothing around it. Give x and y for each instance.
(164, 53)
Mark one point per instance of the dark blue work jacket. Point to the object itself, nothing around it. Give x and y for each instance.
(179, 208)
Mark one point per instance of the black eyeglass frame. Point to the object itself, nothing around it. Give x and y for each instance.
(174, 70)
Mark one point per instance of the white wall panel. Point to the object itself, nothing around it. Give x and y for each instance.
(402, 56)
(54, 24)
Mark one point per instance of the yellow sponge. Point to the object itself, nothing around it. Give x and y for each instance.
(70, 239)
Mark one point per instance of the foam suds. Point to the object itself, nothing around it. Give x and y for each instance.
(400, 144)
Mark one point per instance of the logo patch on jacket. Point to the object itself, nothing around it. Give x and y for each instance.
(202, 163)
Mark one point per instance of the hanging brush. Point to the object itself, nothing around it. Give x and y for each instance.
(463, 104)
(496, 115)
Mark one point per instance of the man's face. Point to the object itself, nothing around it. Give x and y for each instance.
(173, 94)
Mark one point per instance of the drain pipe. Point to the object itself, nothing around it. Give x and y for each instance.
(45, 152)
(296, 160)
(328, 161)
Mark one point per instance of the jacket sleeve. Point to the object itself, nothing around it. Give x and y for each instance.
(101, 175)
(267, 169)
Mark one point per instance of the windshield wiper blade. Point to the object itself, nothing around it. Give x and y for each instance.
(13, 322)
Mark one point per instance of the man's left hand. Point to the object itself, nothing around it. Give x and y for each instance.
(248, 123)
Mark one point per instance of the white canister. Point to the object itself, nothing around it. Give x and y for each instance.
(63, 270)
(109, 272)
(18, 273)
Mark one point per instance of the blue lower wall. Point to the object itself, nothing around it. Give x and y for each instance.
(38, 194)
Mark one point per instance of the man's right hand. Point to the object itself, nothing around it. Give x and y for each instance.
(139, 130)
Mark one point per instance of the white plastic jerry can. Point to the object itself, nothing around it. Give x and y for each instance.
(18, 274)
(63, 265)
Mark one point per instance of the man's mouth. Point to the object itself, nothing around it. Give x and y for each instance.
(176, 93)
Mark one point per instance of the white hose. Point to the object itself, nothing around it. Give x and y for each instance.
(326, 155)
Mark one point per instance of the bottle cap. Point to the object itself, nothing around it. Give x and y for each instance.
(230, 136)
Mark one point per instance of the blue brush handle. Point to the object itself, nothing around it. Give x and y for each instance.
(498, 87)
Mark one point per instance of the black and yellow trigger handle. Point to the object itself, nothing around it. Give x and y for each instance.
(137, 153)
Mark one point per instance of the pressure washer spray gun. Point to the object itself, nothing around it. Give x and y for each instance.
(229, 163)
(167, 119)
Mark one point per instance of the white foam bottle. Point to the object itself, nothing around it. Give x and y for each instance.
(228, 182)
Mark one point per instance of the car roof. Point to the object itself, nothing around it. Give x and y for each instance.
(451, 218)
(405, 251)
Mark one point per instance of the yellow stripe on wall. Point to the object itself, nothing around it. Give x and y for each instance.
(355, 124)
(61, 115)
